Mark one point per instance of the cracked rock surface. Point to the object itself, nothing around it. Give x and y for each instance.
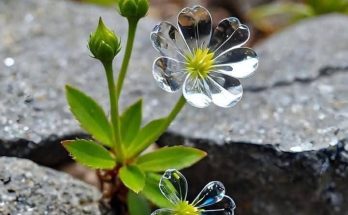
(296, 101)
(26, 188)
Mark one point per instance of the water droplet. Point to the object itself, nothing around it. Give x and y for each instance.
(296, 149)
(9, 62)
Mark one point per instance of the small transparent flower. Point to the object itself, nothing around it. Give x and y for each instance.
(210, 201)
(206, 63)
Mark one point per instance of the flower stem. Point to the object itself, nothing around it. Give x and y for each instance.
(170, 118)
(114, 110)
(128, 53)
(163, 127)
(175, 111)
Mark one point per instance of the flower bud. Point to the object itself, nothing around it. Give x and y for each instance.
(103, 43)
(133, 9)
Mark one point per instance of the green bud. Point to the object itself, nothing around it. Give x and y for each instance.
(133, 9)
(103, 43)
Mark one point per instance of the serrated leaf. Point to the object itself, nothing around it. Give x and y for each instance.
(137, 204)
(152, 192)
(90, 115)
(146, 136)
(131, 122)
(177, 157)
(90, 154)
(133, 178)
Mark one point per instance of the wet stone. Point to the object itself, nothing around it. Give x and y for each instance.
(26, 188)
(295, 101)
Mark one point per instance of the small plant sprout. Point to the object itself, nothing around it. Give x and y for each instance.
(210, 201)
(207, 63)
(211, 62)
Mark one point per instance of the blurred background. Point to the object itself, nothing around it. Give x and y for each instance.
(263, 16)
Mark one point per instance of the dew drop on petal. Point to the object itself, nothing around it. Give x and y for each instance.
(163, 212)
(238, 63)
(229, 33)
(9, 61)
(168, 73)
(168, 41)
(196, 92)
(173, 186)
(195, 24)
(225, 207)
(211, 194)
(225, 91)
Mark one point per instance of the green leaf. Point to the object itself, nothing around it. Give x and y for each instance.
(137, 204)
(152, 192)
(90, 154)
(146, 136)
(133, 178)
(90, 115)
(131, 122)
(176, 157)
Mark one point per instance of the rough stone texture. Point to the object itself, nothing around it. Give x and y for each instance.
(303, 52)
(26, 188)
(46, 42)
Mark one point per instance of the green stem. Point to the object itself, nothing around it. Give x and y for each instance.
(168, 120)
(172, 115)
(114, 110)
(128, 53)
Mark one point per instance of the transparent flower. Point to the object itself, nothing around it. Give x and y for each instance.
(206, 63)
(210, 201)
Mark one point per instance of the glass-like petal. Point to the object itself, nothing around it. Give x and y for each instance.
(196, 92)
(212, 193)
(238, 63)
(163, 212)
(168, 41)
(225, 91)
(225, 207)
(196, 26)
(168, 73)
(173, 186)
(229, 33)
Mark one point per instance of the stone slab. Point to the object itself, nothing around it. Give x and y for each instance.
(26, 188)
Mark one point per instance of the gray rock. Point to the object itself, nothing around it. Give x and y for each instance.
(43, 47)
(26, 188)
(294, 109)
(300, 53)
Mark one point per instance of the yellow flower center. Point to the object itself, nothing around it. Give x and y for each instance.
(199, 63)
(184, 208)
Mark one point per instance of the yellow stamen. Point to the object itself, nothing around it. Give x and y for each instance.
(200, 63)
(184, 208)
